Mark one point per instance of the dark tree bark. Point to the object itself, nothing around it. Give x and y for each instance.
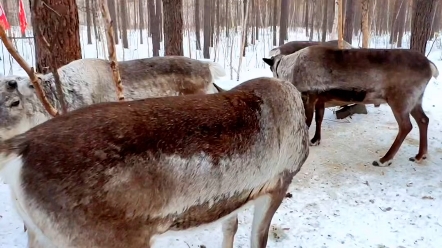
(123, 14)
(59, 25)
(206, 32)
(275, 12)
(159, 18)
(173, 27)
(283, 21)
(227, 18)
(197, 25)
(421, 24)
(154, 27)
(324, 20)
(89, 21)
(141, 22)
(306, 17)
(349, 20)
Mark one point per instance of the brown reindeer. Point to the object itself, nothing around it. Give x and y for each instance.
(294, 46)
(117, 174)
(397, 77)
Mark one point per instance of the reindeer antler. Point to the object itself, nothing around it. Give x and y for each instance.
(30, 71)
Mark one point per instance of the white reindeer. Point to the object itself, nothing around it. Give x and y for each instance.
(89, 81)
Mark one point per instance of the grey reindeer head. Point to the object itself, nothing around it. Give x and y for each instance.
(16, 101)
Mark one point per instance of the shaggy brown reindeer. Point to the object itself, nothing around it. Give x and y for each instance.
(397, 77)
(118, 174)
(294, 46)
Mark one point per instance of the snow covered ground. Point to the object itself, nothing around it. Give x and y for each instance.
(339, 199)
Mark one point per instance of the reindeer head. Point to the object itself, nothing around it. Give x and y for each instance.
(273, 62)
(17, 100)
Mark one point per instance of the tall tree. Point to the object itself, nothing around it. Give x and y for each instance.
(154, 27)
(206, 32)
(283, 19)
(421, 24)
(56, 21)
(197, 24)
(349, 20)
(365, 24)
(324, 19)
(173, 27)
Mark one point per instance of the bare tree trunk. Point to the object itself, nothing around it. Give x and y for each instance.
(312, 21)
(365, 24)
(60, 27)
(275, 11)
(141, 23)
(340, 24)
(324, 20)
(88, 21)
(206, 32)
(306, 16)
(113, 15)
(154, 27)
(349, 20)
(197, 25)
(421, 24)
(173, 27)
(335, 29)
(401, 22)
(283, 21)
(123, 13)
(159, 14)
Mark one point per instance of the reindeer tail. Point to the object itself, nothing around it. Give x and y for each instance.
(434, 69)
(216, 70)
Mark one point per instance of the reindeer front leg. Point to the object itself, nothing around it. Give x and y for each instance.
(230, 226)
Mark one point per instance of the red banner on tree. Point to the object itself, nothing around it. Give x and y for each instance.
(22, 17)
(3, 20)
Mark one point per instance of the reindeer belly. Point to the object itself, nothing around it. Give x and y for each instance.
(210, 212)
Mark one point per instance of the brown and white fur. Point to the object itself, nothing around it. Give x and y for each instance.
(397, 77)
(294, 46)
(118, 174)
(89, 81)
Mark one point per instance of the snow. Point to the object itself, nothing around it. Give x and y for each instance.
(339, 199)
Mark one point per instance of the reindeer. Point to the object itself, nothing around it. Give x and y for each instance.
(89, 81)
(397, 77)
(294, 46)
(119, 174)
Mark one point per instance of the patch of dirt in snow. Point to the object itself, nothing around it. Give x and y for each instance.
(338, 199)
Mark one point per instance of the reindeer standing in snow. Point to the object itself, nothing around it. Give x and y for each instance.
(115, 177)
(89, 81)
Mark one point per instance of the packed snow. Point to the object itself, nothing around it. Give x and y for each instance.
(338, 199)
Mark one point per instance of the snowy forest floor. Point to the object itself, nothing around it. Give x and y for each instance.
(339, 199)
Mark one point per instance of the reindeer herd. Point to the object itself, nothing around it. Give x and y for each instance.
(181, 152)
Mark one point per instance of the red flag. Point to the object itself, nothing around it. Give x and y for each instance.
(3, 20)
(22, 17)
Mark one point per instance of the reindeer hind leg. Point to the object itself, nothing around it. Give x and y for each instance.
(422, 121)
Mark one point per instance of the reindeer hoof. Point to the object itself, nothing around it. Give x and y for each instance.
(379, 164)
(314, 143)
(416, 159)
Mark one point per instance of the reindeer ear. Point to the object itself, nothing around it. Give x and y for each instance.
(269, 61)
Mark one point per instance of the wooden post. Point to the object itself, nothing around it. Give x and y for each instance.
(111, 48)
